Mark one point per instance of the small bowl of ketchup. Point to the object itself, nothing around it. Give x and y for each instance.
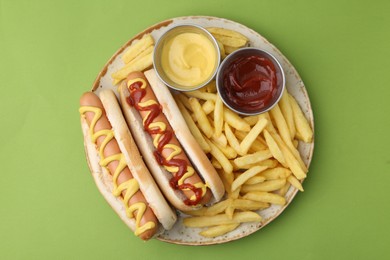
(250, 81)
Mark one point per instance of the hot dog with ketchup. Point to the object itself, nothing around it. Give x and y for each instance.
(111, 150)
(161, 133)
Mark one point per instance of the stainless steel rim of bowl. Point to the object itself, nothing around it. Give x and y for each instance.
(228, 59)
(157, 51)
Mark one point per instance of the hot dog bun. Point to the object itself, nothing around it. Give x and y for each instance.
(104, 174)
(145, 141)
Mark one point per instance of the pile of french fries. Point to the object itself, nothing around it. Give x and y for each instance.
(256, 156)
(138, 57)
(228, 40)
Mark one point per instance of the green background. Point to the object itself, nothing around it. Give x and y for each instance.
(52, 51)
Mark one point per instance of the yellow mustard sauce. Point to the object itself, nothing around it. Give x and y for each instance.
(189, 59)
(161, 128)
(131, 186)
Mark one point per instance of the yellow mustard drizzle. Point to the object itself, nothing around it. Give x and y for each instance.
(176, 150)
(131, 186)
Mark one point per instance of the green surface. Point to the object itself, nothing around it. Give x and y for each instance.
(51, 52)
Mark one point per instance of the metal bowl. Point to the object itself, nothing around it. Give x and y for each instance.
(174, 31)
(243, 53)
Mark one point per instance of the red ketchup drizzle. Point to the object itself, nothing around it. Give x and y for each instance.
(136, 95)
(251, 82)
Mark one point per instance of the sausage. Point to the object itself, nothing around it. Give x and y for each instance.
(147, 219)
(165, 140)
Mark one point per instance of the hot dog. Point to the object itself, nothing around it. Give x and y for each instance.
(161, 133)
(107, 137)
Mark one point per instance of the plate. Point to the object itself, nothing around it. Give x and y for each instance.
(189, 236)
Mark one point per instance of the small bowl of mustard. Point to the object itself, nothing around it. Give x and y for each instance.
(186, 57)
(250, 81)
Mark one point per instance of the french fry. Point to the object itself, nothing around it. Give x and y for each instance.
(274, 148)
(229, 212)
(287, 112)
(235, 121)
(220, 140)
(232, 140)
(246, 175)
(218, 230)
(138, 47)
(302, 125)
(229, 152)
(221, 50)
(220, 157)
(255, 180)
(222, 219)
(281, 124)
(201, 95)
(208, 106)
(193, 127)
(283, 129)
(243, 204)
(229, 49)
(252, 135)
(227, 180)
(218, 116)
(294, 165)
(139, 65)
(226, 32)
(230, 41)
(252, 120)
(270, 163)
(271, 185)
(276, 173)
(294, 182)
(234, 194)
(256, 146)
(282, 192)
(216, 164)
(267, 197)
(271, 129)
(252, 158)
(262, 140)
(212, 210)
(183, 99)
(201, 117)
(147, 51)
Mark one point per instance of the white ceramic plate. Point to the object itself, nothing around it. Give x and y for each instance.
(189, 236)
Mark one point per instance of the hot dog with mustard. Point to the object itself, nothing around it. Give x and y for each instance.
(111, 151)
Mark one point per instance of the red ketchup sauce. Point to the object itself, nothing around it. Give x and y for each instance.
(136, 95)
(250, 82)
